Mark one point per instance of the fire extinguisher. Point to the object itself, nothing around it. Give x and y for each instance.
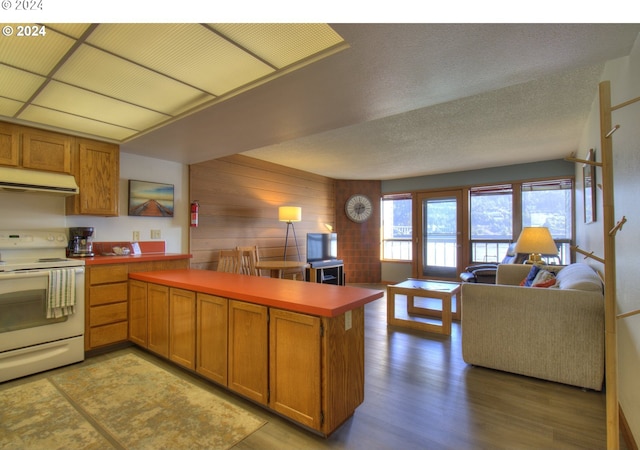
(195, 206)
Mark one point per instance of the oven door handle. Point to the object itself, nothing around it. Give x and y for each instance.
(30, 274)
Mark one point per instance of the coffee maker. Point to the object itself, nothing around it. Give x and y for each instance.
(80, 241)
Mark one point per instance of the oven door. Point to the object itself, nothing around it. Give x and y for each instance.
(23, 300)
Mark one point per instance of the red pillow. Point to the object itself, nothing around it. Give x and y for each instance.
(545, 284)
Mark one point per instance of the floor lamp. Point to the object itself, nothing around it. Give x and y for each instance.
(290, 214)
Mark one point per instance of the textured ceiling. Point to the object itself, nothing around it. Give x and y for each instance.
(413, 99)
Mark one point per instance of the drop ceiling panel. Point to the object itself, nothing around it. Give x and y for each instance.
(74, 30)
(35, 54)
(281, 44)
(103, 72)
(18, 84)
(9, 107)
(116, 81)
(84, 103)
(188, 52)
(63, 120)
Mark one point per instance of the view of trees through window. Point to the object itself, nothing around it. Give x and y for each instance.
(491, 213)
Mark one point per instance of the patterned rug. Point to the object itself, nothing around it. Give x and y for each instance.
(125, 402)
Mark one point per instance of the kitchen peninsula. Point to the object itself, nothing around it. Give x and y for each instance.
(296, 348)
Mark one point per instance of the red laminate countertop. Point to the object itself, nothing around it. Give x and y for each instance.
(298, 296)
(144, 257)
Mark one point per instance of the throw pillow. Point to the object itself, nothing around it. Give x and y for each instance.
(528, 280)
(546, 284)
(543, 276)
(544, 279)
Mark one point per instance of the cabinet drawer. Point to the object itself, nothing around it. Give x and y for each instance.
(108, 293)
(101, 315)
(108, 274)
(108, 334)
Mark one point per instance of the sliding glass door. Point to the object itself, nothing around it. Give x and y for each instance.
(439, 243)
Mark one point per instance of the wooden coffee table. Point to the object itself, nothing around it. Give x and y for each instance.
(415, 315)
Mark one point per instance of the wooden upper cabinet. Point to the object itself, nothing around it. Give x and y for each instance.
(96, 166)
(43, 150)
(9, 144)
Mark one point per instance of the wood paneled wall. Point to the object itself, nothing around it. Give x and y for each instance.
(239, 199)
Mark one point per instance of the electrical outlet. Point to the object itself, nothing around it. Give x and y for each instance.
(348, 320)
(155, 234)
(136, 236)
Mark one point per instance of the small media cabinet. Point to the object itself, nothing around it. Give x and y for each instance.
(326, 272)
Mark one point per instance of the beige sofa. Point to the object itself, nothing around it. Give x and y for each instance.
(554, 333)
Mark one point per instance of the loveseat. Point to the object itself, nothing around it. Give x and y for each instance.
(554, 333)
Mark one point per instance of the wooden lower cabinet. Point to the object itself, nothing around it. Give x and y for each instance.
(307, 368)
(158, 319)
(248, 350)
(163, 320)
(211, 337)
(105, 305)
(342, 367)
(295, 366)
(108, 308)
(316, 367)
(138, 312)
(182, 327)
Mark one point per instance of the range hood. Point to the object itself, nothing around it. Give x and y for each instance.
(23, 180)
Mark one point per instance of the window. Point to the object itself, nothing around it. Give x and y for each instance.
(495, 217)
(491, 222)
(397, 230)
(550, 204)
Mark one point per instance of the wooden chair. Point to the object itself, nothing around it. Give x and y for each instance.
(248, 257)
(229, 261)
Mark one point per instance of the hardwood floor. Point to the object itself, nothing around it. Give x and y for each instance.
(419, 394)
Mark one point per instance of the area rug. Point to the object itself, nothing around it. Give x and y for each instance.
(135, 405)
(37, 416)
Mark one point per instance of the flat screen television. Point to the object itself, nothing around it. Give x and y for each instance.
(322, 247)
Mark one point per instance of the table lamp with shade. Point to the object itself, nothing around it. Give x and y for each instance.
(536, 241)
(290, 214)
